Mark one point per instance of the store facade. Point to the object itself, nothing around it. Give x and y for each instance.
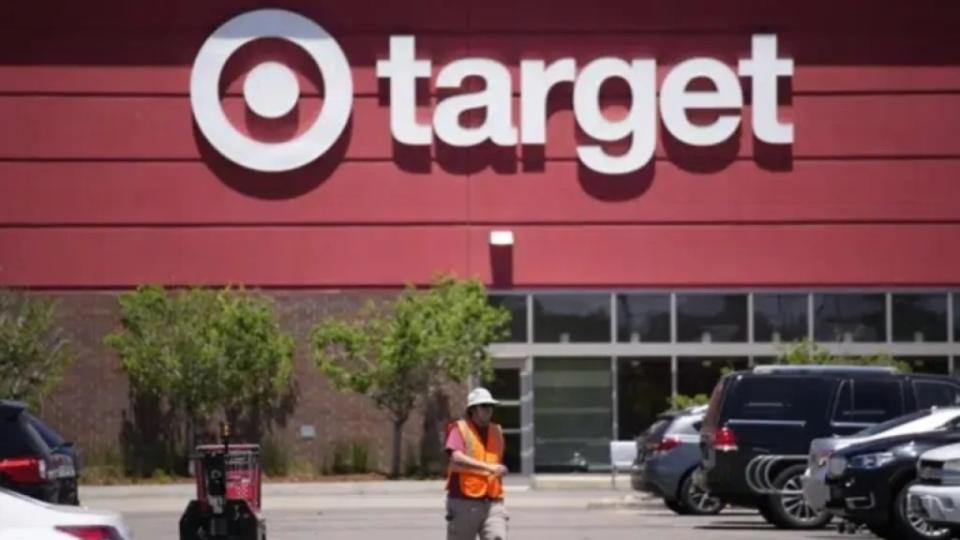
(655, 193)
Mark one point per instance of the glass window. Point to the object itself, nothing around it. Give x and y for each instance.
(699, 375)
(516, 304)
(864, 401)
(505, 385)
(643, 391)
(935, 394)
(561, 318)
(15, 439)
(956, 318)
(512, 451)
(919, 317)
(712, 317)
(850, 317)
(939, 365)
(779, 317)
(643, 318)
(573, 413)
(770, 398)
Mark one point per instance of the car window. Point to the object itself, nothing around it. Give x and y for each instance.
(48, 435)
(890, 424)
(935, 394)
(769, 398)
(686, 425)
(865, 401)
(712, 418)
(14, 440)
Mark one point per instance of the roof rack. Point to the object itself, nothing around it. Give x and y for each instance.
(775, 368)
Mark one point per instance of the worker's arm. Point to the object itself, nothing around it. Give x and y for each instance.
(463, 460)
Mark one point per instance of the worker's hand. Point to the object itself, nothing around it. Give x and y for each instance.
(499, 471)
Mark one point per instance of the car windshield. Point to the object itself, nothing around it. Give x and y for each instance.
(48, 435)
(911, 423)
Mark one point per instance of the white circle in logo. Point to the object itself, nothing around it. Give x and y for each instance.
(271, 90)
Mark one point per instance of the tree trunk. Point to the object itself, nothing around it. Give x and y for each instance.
(397, 457)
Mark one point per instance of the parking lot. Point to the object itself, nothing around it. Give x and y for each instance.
(556, 524)
(353, 513)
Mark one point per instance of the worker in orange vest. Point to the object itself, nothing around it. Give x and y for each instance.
(475, 477)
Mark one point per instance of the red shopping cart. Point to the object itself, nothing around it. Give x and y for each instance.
(228, 493)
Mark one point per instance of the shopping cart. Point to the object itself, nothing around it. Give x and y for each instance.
(228, 493)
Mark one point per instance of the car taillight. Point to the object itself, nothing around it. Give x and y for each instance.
(24, 470)
(667, 444)
(91, 532)
(725, 440)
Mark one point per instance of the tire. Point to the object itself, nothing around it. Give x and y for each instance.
(764, 508)
(676, 507)
(909, 526)
(791, 511)
(881, 531)
(697, 501)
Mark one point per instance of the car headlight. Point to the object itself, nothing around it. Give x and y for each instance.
(952, 465)
(836, 466)
(871, 461)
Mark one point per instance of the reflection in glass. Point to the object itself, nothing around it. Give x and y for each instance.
(712, 317)
(561, 318)
(779, 317)
(505, 385)
(939, 365)
(573, 413)
(698, 375)
(516, 304)
(850, 317)
(643, 391)
(919, 317)
(643, 318)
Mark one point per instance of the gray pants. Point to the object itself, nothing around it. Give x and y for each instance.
(467, 519)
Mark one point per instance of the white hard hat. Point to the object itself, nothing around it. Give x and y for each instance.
(480, 396)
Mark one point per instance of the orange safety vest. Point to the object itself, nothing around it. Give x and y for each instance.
(472, 482)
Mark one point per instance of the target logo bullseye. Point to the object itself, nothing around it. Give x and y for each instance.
(271, 90)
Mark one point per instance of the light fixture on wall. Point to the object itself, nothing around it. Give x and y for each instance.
(501, 238)
(501, 257)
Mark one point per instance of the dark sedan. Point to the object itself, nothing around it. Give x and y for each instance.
(868, 484)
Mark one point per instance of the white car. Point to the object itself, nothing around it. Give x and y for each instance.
(814, 481)
(936, 496)
(24, 518)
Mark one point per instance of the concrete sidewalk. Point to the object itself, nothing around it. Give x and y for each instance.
(560, 491)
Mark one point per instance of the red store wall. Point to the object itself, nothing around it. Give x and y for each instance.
(106, 182)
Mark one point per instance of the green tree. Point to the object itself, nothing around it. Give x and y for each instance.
(807, 352)
(396, 354)
(202, 353)
(33, 350)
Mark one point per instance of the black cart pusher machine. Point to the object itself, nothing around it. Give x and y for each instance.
(227, 506)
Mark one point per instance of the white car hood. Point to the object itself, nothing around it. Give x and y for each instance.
(943, 453)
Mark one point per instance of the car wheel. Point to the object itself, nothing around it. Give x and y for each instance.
(676, 507)
(884, 530)
(788, 509)
(910, 525)
(763, 506)
(698, 501)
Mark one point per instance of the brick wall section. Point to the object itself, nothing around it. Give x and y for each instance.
(90, 405)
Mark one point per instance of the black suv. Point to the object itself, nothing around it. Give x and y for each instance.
(34, 460)
(757, 431)
(869, 481)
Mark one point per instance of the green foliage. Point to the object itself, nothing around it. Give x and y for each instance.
(681, 401)
(806, 352)
(396, 354)
(33, 351)
(275, 458)
(203, 352)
